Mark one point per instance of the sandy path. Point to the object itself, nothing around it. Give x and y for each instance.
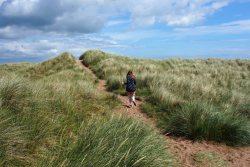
(135, 111)
(183, 149)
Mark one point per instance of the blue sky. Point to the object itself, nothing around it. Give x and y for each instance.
(35, 30)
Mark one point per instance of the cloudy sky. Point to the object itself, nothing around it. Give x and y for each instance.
(35, 30)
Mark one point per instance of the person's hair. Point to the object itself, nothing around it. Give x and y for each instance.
(131, 74)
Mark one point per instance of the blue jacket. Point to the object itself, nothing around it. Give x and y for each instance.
(131, 84)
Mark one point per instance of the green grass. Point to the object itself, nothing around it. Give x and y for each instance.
(62, 62)
(112, 142)
(13, 93)
(13, 143)
(51, 114)
(198, 121)
(173, 85)
(209, 159)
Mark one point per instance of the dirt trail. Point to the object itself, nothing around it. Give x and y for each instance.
(183, 149)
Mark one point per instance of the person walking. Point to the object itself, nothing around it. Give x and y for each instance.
(131, 87)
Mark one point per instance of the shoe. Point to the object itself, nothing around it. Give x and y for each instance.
(134, 103)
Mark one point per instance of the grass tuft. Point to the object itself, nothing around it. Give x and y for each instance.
(13, 143)
(209, 159)
(14, 93)
(200, 121)
(117, 141)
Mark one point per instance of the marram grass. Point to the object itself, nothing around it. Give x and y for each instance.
(200, 121)
(51, 114)
(13, 142)
(169, 86)
(116, 141)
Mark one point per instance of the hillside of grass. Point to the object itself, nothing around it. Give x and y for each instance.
(51, 114)
(200, 99)
(52, 66)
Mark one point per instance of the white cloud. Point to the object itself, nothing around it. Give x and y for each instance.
(47, 47)
(19, 7)
(117, 22)
(85, 21)
(31, 49)
(65, 24)
(88, 16)
(12, 32)
(235, 27)
(174, 13)
(77, 44)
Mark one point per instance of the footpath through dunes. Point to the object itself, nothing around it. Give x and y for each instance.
(187, 152)
(134, 112)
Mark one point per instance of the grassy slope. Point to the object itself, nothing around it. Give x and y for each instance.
(199, 99)
(51, 114)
